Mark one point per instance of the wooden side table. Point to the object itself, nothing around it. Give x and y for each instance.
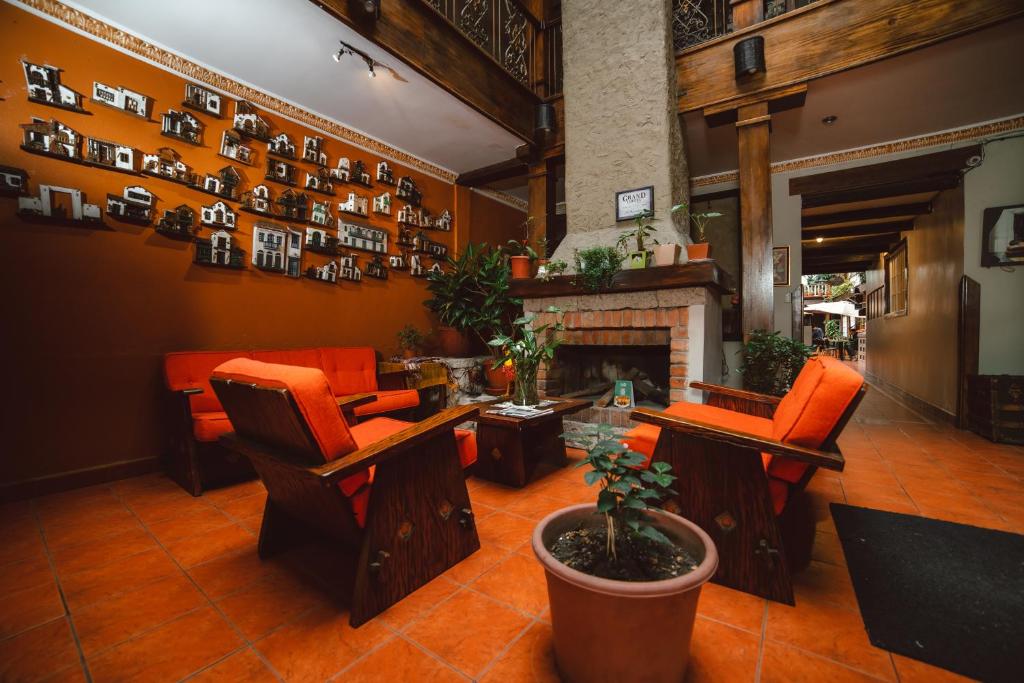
(510, 448)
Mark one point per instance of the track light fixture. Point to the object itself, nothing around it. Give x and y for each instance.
(371, 63)
(372, 7)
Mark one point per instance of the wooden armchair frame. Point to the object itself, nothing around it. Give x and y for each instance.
(723, 488)
(419, 522)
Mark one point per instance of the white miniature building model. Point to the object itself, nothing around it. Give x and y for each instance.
(51, 137)
(321, 213)
(135, 205)
(181, 125)
(397, 262)
(12, 181)
(198, 97)
(382, 204)
(220, 248)
(349, 269)
(247, 121)
(444, 221)
(231, 147)
(415, 267)
(43, 205)
(384, 173)
(166, 163)
(343, 170)
(319, 182)
(355, 204)
(257, 199)
(218, 215)
(410, 216)
(112, 154)
(276, 248)
(43, 82)
(312, 150)
(363, 237)
(318, 239)
(281, 145)
(120, 98)
(327, 272)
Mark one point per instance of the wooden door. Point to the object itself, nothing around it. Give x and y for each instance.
(968, 342)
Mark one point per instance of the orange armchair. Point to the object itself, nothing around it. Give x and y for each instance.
(392, 493)
(743, 462)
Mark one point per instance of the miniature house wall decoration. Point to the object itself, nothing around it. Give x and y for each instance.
(178, 223)
(397, 262)
(280, 172)
(382, 204)
(224, 184)
(313, 150)
(219, 250)
(121, 98)
(51, 138)
(353, 236)
(444, 221)
(203, 100)
(74, 211)
(359, 174)
(349, 269)
(276, 249)
(110, 154)
(181, 125)
(415, 266)
(319, 181)
(343, 170)
(249, 123)
(321, 214)
(408, 215)
(231, 146)
(408, 191)
(355, 204)
(166, 163)
(405, 238)
(282, 146)
(44, 87)
(134, 205)
(218, 215)
(376, 268)
(293, 205)
(328, 272)
(318, 240)
(384, 173)
(258, 200)
(13, 181)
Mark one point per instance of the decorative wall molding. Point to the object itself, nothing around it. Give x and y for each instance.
(504, 198)
(89, 25)
(947, 137)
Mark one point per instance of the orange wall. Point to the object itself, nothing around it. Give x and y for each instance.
(88, 313)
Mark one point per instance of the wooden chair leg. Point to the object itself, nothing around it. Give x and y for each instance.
(796, 523)
(723, 489)
(418, 525)
(278, 531)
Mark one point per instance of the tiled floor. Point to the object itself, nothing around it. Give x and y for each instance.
(139, 581)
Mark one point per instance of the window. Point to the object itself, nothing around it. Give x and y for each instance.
(896, 280)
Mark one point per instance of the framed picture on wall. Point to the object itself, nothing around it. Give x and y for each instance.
(1002, 236)
(780, 266)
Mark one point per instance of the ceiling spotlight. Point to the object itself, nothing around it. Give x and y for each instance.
(371, 63)
(337, 56)
(819, 240)
(372, 7)
(829, 120)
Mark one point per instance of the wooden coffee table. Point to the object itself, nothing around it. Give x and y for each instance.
(510, 448)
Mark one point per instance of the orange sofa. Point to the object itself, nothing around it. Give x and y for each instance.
(197, 462)
(744, 459)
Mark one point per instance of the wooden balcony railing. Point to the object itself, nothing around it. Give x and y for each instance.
(696, 21)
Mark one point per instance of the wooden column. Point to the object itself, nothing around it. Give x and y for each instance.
(540, 184)
(746, 13)
(757, 298)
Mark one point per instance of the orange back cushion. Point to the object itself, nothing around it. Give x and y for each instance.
(304, 358)
(192, 369)
(349, 369)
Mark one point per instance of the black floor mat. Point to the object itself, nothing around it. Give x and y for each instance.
(947, 594)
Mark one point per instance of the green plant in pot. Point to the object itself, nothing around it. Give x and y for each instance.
(639, 236)
(520, 254)
(596, 267)
(528, 347)
(622, 566)
(547, 271)
(771, 362)
(700, 249)
(410, 341)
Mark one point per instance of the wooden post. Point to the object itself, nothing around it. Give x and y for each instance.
(746, 13)
(757, 298)
(541, 202)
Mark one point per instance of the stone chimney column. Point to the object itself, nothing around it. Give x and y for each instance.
(622, 126)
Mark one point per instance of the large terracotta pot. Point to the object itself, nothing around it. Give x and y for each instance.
(520, 267)
(699, 250)
(452, 343)
(497, 381)
(587, 610)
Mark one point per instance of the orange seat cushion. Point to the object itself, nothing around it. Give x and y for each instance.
(210, 426)
(388, 401)
(349, 369)
(191, 370)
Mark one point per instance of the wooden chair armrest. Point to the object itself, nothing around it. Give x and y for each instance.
(736, 393)
(811, 456)
(352, 401)
(374, 454)
(395, 379)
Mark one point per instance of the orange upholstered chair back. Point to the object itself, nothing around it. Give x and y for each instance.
(305, 358)
(192, 369)
(807, 415)
(349, 369)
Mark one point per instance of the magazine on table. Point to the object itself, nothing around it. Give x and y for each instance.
(509, 409)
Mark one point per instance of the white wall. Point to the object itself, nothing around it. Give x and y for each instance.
(999, 181)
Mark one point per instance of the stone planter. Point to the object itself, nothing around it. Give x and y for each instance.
(666, 254)
(587, 610)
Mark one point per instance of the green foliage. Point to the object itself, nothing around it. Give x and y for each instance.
(410, 338)
(842, 291)
(771, 362)
(554, 268)
(833, 330)
(627, 492)
(595, 267)
(519, 248)
(471, 294)
(528, 346)
(699, 220)
(641, 233)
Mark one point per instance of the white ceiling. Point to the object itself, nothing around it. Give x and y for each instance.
(284, 48)
(962, 81)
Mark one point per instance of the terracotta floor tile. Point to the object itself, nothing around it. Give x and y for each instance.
(92, 585)
(822, 581)
(29, 607)
(505, 530)
(245, 506)
(92, 498)
(495, 495)
(830, 631)
(242, 667)
(419, 602)
(21, 542)
(399, 660)
(477, 563)
(165, 505)
(732, 607)
(38, 654)
(319, 645)
(252, 523)
(230, 573)
(784, 664)
(536, 506)
(30, 573)
(913, 671)
(188, 524)
(170, 652)
(827, 548)
(530, 660)
(721, 653)
(209, 545)
(112, 621)
(221, 495)
(468, 630)
(518, 581)
(269, 603)
(76, 558)
(88, 528)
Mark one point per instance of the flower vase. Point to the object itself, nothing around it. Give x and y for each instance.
(525, 389)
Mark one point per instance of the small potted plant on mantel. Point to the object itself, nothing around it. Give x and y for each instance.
(639, 257)
(622, 566)
(700, 250)
(520, 254)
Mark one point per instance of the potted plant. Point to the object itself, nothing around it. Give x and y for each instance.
(410, 341)
(622, 566)
(639, 257)
(771, 362)
(527, 347)
(520, 258)
(596, 267)
(700, 249)
(546, 271)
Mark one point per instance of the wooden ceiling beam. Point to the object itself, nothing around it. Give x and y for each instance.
(865, 247)
(933, 184)
(856, 215)
(857, 230)
(503, 170)
(818, 268)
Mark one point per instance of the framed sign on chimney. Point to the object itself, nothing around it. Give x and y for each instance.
(631, 203)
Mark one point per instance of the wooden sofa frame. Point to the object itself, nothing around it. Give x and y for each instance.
(419, 522)
(723, 488)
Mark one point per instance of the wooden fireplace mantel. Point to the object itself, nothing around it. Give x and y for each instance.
(703, 274)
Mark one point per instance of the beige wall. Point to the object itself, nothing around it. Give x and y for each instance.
(917, 351)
